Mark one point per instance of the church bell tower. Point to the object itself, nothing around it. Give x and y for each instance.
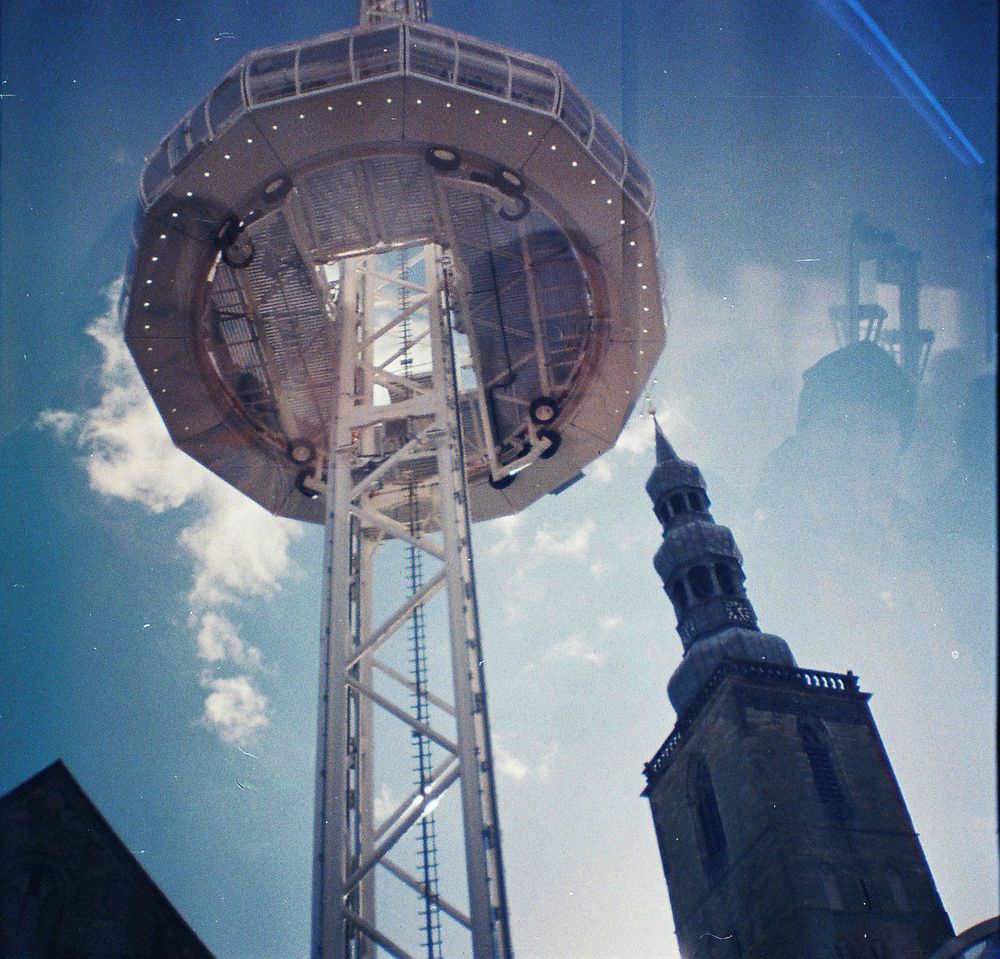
(781, 827)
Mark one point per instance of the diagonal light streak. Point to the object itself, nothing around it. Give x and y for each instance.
(856, 34)
(416, 811)
(903, 77)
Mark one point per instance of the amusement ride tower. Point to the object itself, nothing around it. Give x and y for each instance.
(394, 280)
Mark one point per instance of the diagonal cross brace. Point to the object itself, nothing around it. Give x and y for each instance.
(397, 619)
(400, 873)
(412, 686)
(433, 791)
(403, 716)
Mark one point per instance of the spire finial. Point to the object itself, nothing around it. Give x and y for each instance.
(664, 451)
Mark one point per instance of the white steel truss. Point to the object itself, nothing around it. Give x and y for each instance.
(396, 427)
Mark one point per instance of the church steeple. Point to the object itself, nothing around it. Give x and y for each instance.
(702, 572)
(781, 827)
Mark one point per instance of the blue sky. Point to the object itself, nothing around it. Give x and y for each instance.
(160, 634)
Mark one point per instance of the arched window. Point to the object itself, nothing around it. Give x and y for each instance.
(698, 501)
(678, 595)
(678, 504)
(726, 577)
(700, 580)
(828, 786)
(711, 834)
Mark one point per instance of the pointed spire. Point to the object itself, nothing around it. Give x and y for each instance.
(664, 451)
(670, 470)
(702, 571)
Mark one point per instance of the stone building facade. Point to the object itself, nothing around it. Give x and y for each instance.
(70, 888)
(781, 827)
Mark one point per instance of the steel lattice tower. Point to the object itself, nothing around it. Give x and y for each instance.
(394, 280)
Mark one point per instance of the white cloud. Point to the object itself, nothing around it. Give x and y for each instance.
(219, 641)
(507, 541)
(637, 437)
(61, 422)
(572, 544)
(507, 764)
(639, 433)
(610, 623)
(575, 648)
(536, 765)
(601, 470)
(385, 803)
(528, 555)
(543, 768)
(130, 455)
(239, 550)
(234, 709)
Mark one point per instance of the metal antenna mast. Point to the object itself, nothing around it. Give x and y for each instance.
(422, 412)
(321, 241)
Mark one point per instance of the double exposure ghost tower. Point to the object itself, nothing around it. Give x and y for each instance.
(394, 280)
(781, 827)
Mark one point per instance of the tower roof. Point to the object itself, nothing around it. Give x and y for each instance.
(670, 471)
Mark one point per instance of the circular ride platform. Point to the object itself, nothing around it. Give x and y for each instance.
(379, 139)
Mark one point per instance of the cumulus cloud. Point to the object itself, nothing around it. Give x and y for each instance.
(569, 543)
(507, 764)
(386, 803)
(601, 471)
(238, 549)
(531, 553)
(572, 544)
(129, 454)
(575, 648)
(543, 768)
(637, 437)
(60, 422)
(532, 763)
(507, 541)
(234, 709)
(219, 640)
